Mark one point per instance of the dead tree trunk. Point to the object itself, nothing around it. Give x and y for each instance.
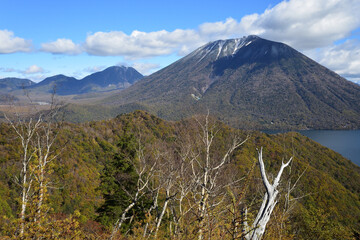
(269, 201)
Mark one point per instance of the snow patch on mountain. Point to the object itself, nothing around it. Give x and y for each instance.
(221, 48)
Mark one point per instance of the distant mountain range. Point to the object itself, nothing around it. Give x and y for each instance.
(10, 84)
(109, 79)
(248, 83)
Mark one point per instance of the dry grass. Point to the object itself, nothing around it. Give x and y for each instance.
(26, 109)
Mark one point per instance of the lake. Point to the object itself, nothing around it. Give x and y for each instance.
(345, 142)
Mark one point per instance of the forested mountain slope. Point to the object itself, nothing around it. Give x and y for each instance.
(325, 202)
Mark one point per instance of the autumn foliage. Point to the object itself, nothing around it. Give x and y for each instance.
(101, 166)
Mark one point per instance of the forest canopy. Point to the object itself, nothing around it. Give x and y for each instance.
(156, 167)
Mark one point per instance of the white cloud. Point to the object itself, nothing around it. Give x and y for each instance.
(61, 46)
(344, 59)
(11, 44)
(138, 44)
(146, 68)
(303, 24)
(94, 69)
(308, 24)
(143, 44)
(220, 30)
(30, 70)
(80, 74)
(33, 69)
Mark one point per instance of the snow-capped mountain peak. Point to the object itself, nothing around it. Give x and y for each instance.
(222, 48)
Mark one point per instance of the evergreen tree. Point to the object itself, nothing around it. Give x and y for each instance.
(118, 181)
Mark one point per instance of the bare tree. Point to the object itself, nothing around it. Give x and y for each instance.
(269, 201)
(145, 170)
(166, 182)
(26, 132)
(193, 184)
(237, 218)
(37, 132)
(206, 168)
(183, 186)
(187, 178)
(46, 151)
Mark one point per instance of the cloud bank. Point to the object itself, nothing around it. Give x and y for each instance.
(11, 44)
(34, 69)
(303, 24)
(309, 24)
(138, 44)
(343, 59)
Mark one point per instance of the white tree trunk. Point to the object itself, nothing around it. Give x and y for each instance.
(269, 201)
(25, 131)
(162, 212)
(122, 220)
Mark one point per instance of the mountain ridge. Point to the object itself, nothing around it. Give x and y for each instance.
(111, 78)
(11, 83)
(249, 82)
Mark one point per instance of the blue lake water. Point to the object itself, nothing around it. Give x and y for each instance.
(345, 142)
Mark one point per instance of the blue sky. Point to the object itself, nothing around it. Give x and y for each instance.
(43, 38)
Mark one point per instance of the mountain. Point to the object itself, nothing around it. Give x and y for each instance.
(61, 84)
(325, 200)
(250, 83)
(9, 84)
(109, 79)
(12, 84)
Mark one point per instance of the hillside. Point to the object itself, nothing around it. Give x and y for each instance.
(248, 83)
(326, 198)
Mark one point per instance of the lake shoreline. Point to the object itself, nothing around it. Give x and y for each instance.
(345, 142)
